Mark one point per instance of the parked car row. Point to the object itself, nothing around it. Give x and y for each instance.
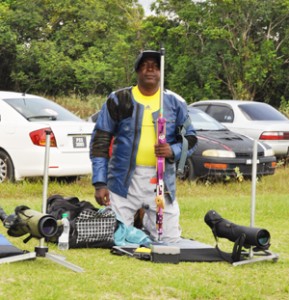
(24, 121)
(220, 151)
(257, 120)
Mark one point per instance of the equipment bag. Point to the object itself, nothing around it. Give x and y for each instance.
(90, 227)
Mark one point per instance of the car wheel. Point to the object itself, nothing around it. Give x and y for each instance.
(64, 179)
(70, 179)
(6, 167)
(189, 171)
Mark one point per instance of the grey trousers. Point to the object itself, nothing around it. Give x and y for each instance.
(141, 194)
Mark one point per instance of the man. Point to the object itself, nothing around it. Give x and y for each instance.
(129, 116)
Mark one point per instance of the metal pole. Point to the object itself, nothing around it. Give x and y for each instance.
(41, 250)
(266, 255)
(45, 179)
(253, 190)
(254, 180)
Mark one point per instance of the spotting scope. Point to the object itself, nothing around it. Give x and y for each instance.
(223, 228)
(26, 220)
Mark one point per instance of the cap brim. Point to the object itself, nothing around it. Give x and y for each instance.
(147, 54)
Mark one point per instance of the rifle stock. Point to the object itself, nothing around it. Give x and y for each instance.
(161, 139)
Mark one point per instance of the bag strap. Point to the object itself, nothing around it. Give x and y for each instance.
(182, 132)
(237, 249)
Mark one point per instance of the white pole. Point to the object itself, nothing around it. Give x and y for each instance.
(268, 255)
(45, 178)
(253, 190)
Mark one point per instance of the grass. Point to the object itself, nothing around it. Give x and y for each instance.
(82, 107)
(108, 276)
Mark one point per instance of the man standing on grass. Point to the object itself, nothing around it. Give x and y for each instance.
(129, 117)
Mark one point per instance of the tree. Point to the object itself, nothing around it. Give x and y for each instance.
(8, 42)
(233, 48)
(214, 48)
(59, 43)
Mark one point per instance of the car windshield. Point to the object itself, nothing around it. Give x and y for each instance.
(34, 109)
(261, 112)
(202, 121)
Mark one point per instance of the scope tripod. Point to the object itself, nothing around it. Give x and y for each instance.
(42, 250)
(252, 256)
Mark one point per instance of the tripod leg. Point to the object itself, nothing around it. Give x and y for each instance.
(261, 257)
(19, 257)
(63, 262)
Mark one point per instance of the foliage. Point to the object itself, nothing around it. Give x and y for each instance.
(214, 49)
(84, 108)
(61, 48)
(284, 107)
(231, 49)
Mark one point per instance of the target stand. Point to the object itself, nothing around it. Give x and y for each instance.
(42, 250)
(253, 256)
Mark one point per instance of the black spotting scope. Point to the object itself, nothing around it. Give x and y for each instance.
(26, 220)
(225, 229)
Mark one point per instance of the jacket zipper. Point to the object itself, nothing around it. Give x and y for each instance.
(133, 146)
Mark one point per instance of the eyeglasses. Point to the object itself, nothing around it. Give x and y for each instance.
(149, 65)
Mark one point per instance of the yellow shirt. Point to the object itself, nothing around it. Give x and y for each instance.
(146, 155)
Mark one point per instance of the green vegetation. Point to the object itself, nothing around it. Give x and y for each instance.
(82, 108)
(214, 49)
(110, 277)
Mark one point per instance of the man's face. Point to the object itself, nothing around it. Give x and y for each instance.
(149, 73)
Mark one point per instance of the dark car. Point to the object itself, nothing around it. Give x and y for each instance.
(257, 120)
(221, 153)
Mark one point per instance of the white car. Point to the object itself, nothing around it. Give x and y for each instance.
(24, 121)
(257, 120)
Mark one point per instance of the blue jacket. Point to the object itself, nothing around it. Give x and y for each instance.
(121, 118)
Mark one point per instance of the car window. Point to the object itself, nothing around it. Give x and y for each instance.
(260, 112)
(202, 107)
(34, 109)
(221, 113)
(202, 121)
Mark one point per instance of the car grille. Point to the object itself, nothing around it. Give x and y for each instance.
(248, 154)
(245, 170)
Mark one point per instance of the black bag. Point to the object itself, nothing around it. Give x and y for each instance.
(90, 227)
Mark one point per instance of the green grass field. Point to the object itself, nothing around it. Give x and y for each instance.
(111, 277)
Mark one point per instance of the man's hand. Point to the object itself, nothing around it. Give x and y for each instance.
(164, 150)
(102, 196)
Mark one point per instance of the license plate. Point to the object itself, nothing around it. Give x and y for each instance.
(79, 142)
(250, 161)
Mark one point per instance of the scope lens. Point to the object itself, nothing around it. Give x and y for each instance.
(263, 238)
(48, 227)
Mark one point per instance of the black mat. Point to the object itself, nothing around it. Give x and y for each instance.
(7, 249)
(190, 251)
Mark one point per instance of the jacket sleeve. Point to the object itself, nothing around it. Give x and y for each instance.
(188, 133)
(117, 107)
(100, 145)
(185, 132)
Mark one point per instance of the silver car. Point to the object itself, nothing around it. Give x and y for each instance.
(257, 120)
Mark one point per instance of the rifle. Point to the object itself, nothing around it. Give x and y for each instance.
(161, 139)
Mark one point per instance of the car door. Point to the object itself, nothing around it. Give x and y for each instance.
(220, 112)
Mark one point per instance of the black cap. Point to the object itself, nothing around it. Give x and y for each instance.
(147, 54)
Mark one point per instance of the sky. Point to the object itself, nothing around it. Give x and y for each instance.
(146, 5)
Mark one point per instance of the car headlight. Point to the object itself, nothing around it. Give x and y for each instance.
(219, 153)
(269, 152)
